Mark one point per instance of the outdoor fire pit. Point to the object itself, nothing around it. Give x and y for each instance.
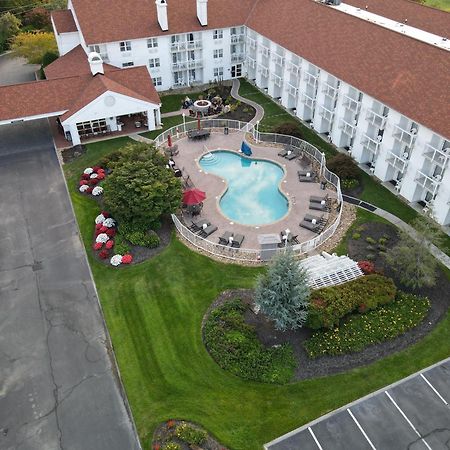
(202, 106)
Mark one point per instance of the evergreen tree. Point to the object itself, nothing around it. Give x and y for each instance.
(282, 293)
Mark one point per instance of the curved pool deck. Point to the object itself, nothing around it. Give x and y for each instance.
(298, 193)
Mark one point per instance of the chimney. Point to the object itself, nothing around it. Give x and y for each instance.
(202, 12)
(95, 63)
(161, 9)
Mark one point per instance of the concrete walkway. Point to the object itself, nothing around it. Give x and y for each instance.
(235, 94)
(435, 251)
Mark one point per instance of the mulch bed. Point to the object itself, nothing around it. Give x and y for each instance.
(328, 365)
(69, 154)
(240, 114)
(164, 433)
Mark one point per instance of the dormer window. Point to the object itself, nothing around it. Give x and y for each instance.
(125, 46)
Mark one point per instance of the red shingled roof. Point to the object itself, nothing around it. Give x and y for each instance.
(419, 16)
(72, 63)
(408, 75)
(64, 21)
(71, 94)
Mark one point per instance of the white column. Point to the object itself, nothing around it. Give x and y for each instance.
(73, 133)
(151, 119)
(158, 117)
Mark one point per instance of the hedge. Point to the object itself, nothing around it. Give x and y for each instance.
(328, 305)
(358, 331)
(234, 345)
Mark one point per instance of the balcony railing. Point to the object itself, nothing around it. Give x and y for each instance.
(430, 183)
(372, 145)
(311, 79)
(294, 68)
(237, 57)
(180, 65)
(376, 119)
(195, 63)
(251, 42)
(251, 62)
(405, 136)
(347, 128)
(436, 156)
(177, 46)
(264, 71)
(277, 59)
(398, 162)
(191, 45)
(278, 81)
(308, 101)
(236, 38)
(292, 90)
(265, 51)
(326, 113)
(330, 91)
(352, 104)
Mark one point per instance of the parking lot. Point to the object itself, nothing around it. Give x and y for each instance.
(412, 414)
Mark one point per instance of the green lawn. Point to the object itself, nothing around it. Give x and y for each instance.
(154, 310)
(168, 122)
(441, 4)
(172, 102)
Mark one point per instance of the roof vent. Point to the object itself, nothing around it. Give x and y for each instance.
(95, 63)
(202, 12)
(161, 10)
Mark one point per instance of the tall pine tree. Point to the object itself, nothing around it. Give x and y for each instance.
(282, 293)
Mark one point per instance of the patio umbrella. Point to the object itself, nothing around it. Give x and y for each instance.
(169, 140)
(193, 196)
(198, 122)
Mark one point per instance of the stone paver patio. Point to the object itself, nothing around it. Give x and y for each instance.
(298, 193)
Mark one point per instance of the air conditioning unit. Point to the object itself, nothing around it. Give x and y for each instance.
(406, 155)
(379, 138)
(446, 150)
(372, 170)
(438, 177)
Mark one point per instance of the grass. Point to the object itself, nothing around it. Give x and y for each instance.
(172, 102)
(168, 122)
(440, 4)
(154, 311)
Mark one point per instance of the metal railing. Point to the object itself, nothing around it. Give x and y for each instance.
(299, 146)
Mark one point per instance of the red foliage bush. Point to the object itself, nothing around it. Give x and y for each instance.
(89, 190)
(105, 214)
(127, 259)
(98, 226)
(93, 181)
(83, 182)
(98, 246)
(103, 229)
(110, 232)
(85, 176)
(109, 244)
(101, 176)
(96, 168)
(367, 267)
(104, 254)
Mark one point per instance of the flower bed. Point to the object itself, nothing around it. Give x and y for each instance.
(359, 331)
(328, 305)
(234, 345)
(90, 178)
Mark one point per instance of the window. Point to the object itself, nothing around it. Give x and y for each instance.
(218, 53)
(154, 62)
(175, 38)
(218, 72)
(192, 75)
(157, 81)
(218, 34)
(152, 43)
(128, 64)
(101, 50)
(125, 46)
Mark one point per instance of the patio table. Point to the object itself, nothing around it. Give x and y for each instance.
(198, 134)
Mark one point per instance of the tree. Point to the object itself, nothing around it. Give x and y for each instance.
(38, 18)
(290, 129)
(33, 46)
(140, 188)
(9, 27)
(343, 166)
(411, 258)
(282, 293)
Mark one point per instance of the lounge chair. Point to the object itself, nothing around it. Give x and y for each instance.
(310, 226)
(318, 206)
(237, 240)
(225, 238)
(318, 199)
(283, 152)
(310, 218)
(307, 179)
(304, 173)
(291, 156)
(197, 226)
(210, 229)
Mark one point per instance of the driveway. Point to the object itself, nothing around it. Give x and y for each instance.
(58, 384)
(15, 70)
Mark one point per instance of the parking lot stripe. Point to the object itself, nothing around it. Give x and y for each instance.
(434, 389)
(315, 439)
(361, 429)
(407, 420)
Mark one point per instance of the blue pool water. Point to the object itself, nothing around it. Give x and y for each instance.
(253, 197)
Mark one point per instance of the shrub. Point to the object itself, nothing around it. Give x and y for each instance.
(344, 167)
(104, 254)
(172, 446)
(359, 331)
(121, 247)
(190, 435)
(290, 129)
(127, 259)
(235, 347)
(328, 305)
(356, 236)
(150, 239)
(109, 244)
(111, 232)
(367, 267)
(371, 240)
(349, 184)
(382, 241)
(371, 256)
(98, 245)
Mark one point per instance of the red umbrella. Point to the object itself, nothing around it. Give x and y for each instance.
(193, 196)
(169, 140)
(198, 122)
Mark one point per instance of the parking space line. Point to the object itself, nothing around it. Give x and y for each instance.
(407, 420)
(361, 429)
(434, 389)
(315, 439)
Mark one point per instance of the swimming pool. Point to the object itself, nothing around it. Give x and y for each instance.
(253, 196)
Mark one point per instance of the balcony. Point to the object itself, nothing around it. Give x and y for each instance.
(264, 71)
(429, 183)
(177, 46)
(347, 128)
(376, 119)
(278, 81)
(180, 65)
(308, 101)
(292, 90)
(265, 51)
(251, 62)
(436, 156)
(237, 57)
(372, 145)
(352, 104)
(278, 59)
(330, 91)
(398, 162)
(192, 45)
(237, 38)
(251, 43)
(195, 63)
(327, 114)
(311, 79)
(405, 136)
(294, 68)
